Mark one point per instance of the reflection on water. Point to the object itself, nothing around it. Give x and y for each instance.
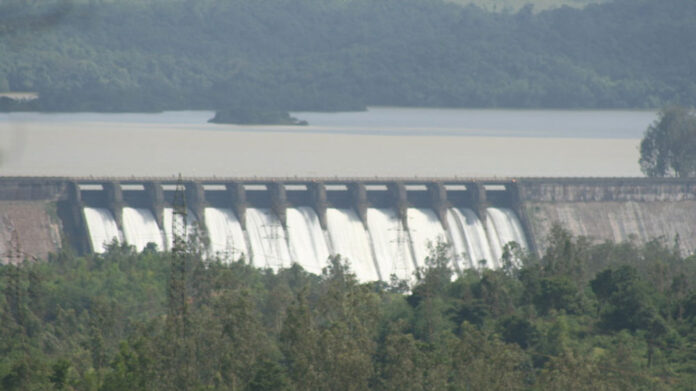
(491, 123)
(380, 142)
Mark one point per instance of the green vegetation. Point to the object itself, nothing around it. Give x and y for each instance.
(11, 104)
(281, 55)
(255, 117)
(581, 317)
(669, 145)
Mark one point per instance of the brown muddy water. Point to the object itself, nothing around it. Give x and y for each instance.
(381, 142)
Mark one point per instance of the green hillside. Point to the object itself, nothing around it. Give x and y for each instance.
(340, 55)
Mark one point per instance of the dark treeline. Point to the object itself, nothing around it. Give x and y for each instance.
(341, 55)
(582, 317)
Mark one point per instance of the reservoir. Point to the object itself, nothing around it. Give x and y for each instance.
(404, 142)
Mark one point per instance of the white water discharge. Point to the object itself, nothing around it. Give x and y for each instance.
(307, 243)
(391, 243)
(140, 228)
(269, 245)
(351, 240)
(426, 230)
(191, 225)
(503, 227)
(102, 228)
(225, 234)
(384, 249)
(469, 238)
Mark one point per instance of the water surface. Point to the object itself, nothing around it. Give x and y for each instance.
(382, 142)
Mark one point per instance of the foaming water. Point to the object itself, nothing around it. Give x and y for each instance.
(225, 234)
(140, 228)
(102, 228)
(168, 217)
(269, 245)
(470, 242)
(383, 249)
(351, 240)
(503, 227)
(307, 243)
(391, 244)
(426, 231)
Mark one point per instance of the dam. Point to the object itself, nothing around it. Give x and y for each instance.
(383, 226)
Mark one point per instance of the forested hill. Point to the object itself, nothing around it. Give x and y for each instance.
(582, 317)
(345, 54)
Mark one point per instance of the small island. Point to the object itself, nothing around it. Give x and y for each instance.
(255, 117)
(18, 101)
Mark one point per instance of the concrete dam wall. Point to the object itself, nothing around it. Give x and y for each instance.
(383, 226)
(617, 209)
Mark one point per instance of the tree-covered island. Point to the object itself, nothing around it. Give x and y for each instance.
(255, 117)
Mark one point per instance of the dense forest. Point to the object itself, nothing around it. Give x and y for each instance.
(151, 55)
(583, 316)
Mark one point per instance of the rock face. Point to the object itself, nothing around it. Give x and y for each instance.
(612, 209)
(37, 225)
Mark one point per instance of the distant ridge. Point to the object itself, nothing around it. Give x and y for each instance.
(330, 55)
(515, 5)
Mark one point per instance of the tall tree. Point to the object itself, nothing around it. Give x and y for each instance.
(669, 145)
(298, 343)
